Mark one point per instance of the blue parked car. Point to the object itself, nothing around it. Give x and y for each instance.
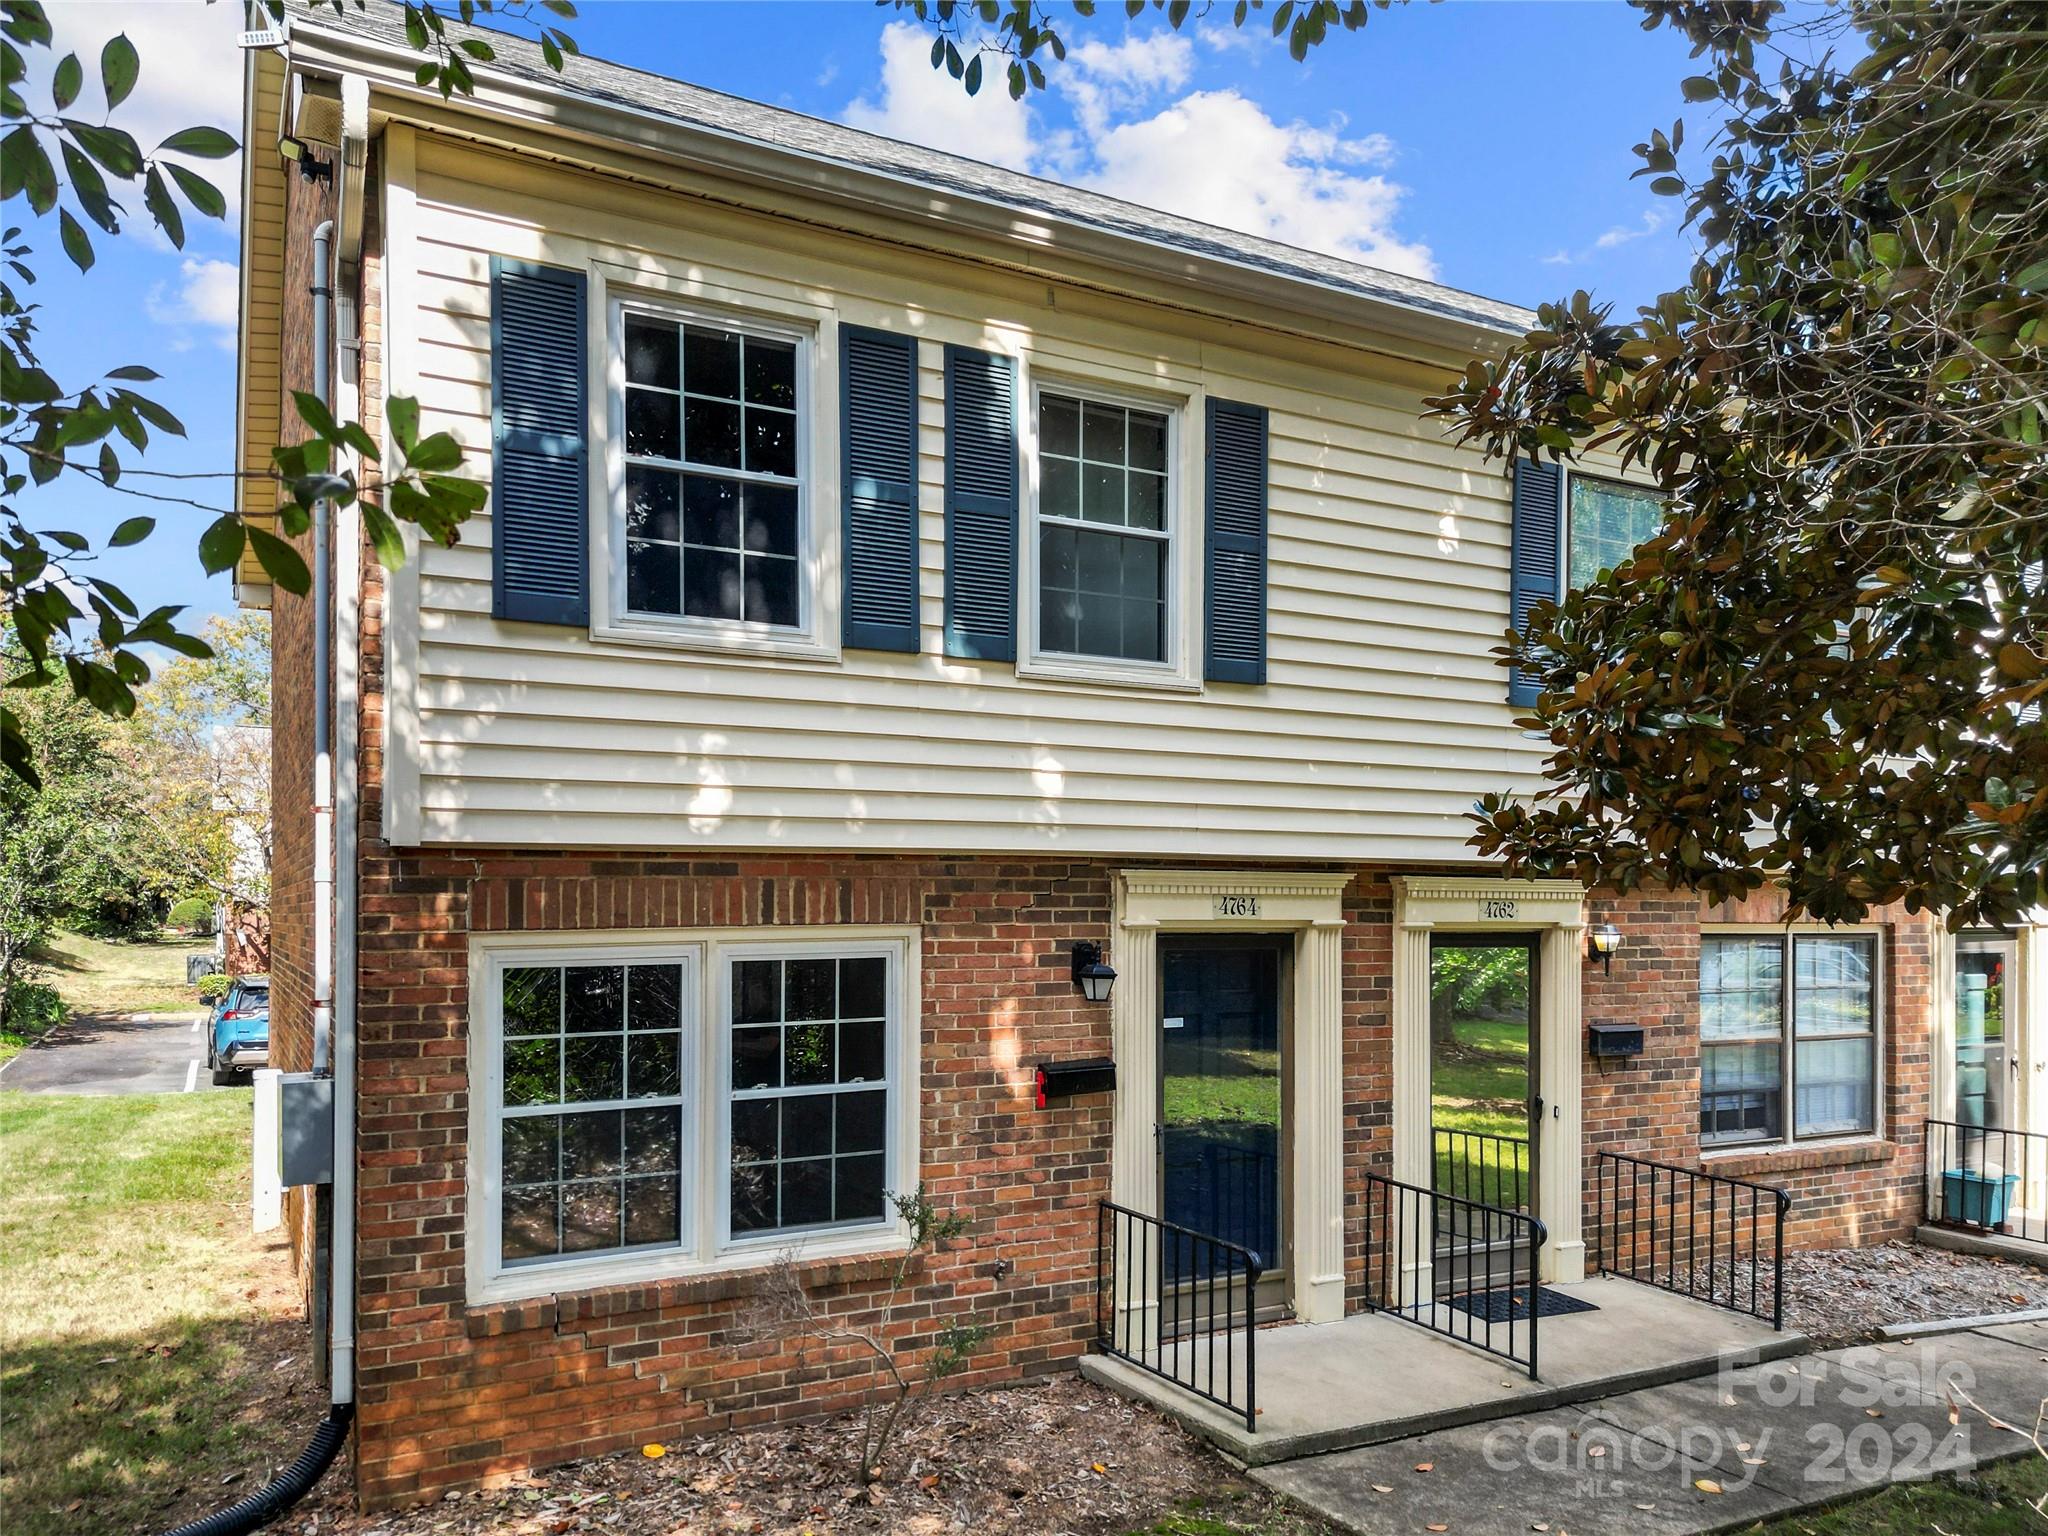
(238, 1034)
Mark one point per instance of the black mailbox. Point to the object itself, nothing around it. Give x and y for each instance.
(1607, 1040)
(1065, 1079)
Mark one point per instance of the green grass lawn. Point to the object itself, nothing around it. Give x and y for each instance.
(140, 1349)
(1992, 1503)
(104, 976)
(1479, 1081)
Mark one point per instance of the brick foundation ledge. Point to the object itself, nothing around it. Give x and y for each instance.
(566, 1307)
(1847, 1154)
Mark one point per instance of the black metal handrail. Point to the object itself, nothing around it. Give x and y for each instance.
(1166, 1295)
(1708, 1236)
(1987, 1177)
(1455, 1290)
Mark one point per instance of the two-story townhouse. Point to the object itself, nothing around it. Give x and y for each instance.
(908, 590)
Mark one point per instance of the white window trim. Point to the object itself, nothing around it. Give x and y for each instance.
(1790, 1140)
(1183, 553)
(707, 1247)
(897, 1055)
(816, 634)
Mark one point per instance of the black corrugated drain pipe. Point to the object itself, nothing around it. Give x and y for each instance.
(290, 1485)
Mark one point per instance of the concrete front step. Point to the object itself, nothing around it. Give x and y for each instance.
(1373, 1378)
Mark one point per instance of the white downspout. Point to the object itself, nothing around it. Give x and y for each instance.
(348, 559)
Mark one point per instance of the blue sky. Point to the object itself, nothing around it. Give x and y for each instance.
(1486, 145)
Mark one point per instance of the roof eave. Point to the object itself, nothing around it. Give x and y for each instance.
(537, 106)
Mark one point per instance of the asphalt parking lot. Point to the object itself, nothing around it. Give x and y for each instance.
(142, 1053)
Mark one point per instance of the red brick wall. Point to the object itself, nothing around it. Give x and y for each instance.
(449, 1394)
(1860, 1192)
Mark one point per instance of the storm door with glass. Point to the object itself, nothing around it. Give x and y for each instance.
(1483, 1103)
(1222, 1136)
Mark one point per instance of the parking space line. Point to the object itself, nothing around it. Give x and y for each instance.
(192, 1074)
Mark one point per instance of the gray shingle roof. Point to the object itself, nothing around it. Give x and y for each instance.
(600, 80)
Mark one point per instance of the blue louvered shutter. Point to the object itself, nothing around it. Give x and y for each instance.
(1235, 601)
(540, 485)
(981, 505)
(878, 421)
(1535, 553)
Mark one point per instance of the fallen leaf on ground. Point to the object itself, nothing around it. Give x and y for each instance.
(654, 1452)
(1425, 1466)
(1382, 1488)
(1706, 1485)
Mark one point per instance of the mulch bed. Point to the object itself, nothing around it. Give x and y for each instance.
(1054, 1457)
(1839, 1295)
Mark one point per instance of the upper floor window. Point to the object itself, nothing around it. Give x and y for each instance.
(713, 515)
(1787, 1018)
(1104, 530)
(1605, 520)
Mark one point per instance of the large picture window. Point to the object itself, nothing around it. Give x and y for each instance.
(713, 512)
(654, 1108)
(1787, 1020)
(1605, 521)
(1104, 529)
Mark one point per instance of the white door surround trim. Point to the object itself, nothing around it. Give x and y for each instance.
(1310, 906)
(1556, 911)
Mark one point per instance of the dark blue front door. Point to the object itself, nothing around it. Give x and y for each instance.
(1220, 1093)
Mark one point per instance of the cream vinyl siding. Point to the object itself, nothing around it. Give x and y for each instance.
(1383, 719)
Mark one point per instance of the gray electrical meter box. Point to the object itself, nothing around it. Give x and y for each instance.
(305, 1125)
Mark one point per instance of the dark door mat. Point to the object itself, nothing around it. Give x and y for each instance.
(1503, 1305)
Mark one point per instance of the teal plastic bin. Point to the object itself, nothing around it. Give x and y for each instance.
(1982, 1199)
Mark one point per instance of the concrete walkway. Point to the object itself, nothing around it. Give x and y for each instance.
(1751, 1442)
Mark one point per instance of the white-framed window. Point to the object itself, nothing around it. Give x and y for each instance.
(806, 1077)
(711, 526)
(660, 1105)
(1789, 1035)
(1604, 521)
(1105, 540)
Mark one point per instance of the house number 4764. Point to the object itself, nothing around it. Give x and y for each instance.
(1237, 906)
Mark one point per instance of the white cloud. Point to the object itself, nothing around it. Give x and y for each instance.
(1217, 157)
(1212, 155)
(206, 297)
(1103, 79)
(1621, 234)
(191, 75)
(1653, 220)
(922, 105)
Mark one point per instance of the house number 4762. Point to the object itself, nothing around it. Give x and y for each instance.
(1237, 906)
(1497, 911)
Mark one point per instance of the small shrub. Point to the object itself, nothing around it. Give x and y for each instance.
(785, 1309)
(213, 984)
(33, 1008)
(194, 912)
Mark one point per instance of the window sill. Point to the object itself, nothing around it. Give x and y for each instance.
(714, 641)
(736, 1272)
(1796, 1158)
(1107, 675)
(490, 1319)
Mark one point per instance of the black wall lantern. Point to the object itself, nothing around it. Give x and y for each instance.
(1601, 943)
(1091, 975)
